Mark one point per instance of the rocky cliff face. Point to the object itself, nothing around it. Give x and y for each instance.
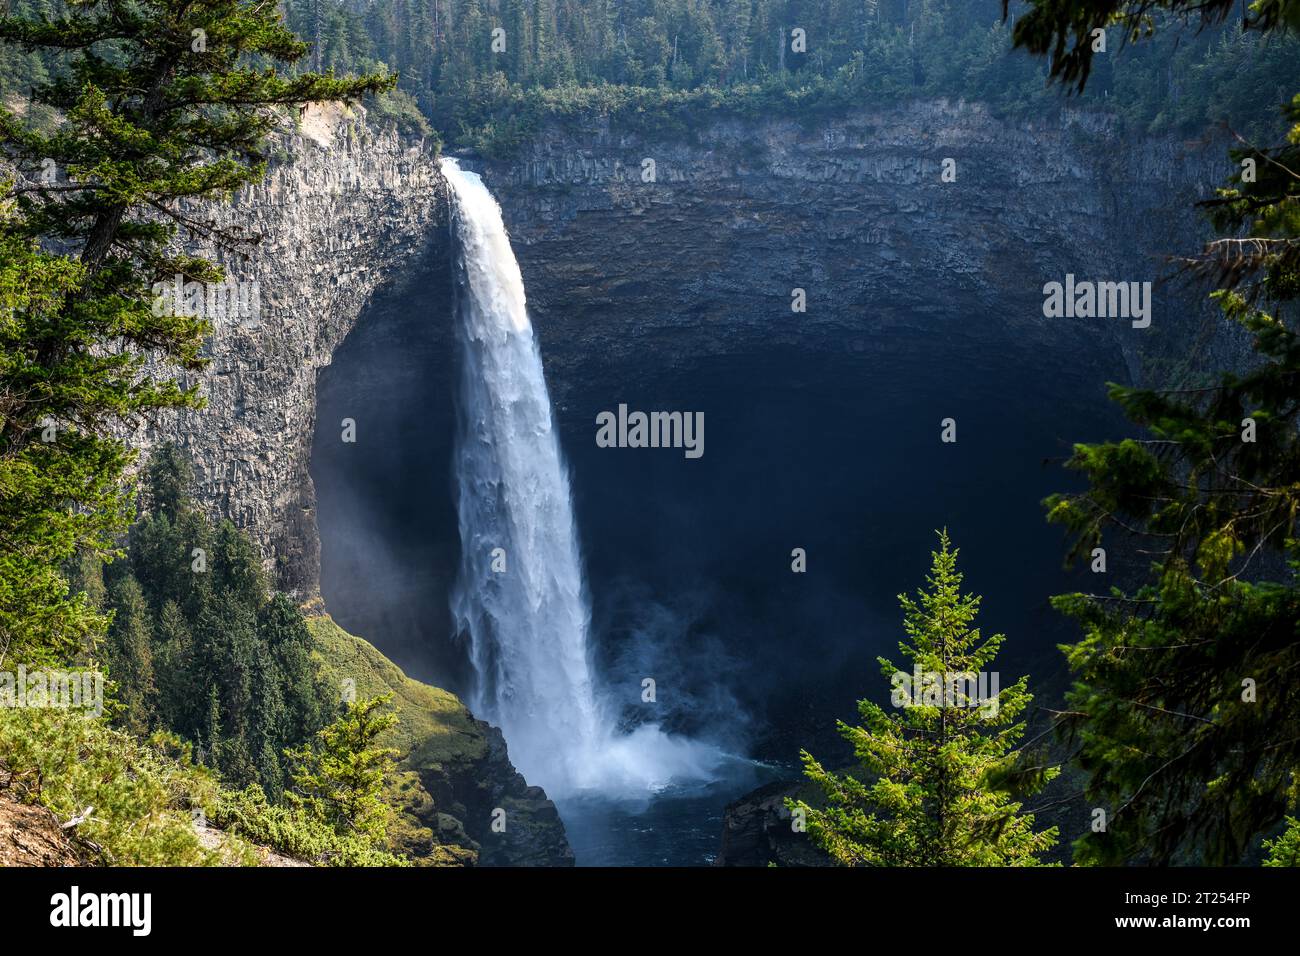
(695, 245)
(757, 830)
(642, 254)
(345, 211)
(653, 251)
(697, 260)
(460, 799)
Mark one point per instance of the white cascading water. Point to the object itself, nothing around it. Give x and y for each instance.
(527, 618)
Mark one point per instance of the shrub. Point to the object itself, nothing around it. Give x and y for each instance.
(135, 796)
(295, 831)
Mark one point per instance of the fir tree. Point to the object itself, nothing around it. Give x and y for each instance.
(180, 698)
(284, 632)
(340, 777)
(159, 103)
(41, 618)
(131, 656)
(1285, 850)
(167, 482)
(1184, 716)
(935, 785)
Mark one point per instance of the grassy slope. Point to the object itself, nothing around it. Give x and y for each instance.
(433, 728)
(431, 720)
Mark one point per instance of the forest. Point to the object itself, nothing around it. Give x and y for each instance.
(485, 73)
(660, 61)
(1180, 715)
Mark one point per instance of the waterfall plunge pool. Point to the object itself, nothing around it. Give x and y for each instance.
(686, 563)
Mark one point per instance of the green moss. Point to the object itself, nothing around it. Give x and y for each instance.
(419, 832)
(431, 721)
(434, 731)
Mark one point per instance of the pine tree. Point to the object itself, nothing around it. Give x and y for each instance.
(268, 724)
(938, 777)
(86, 576)
(1285, 850)
(167, 483)
(180, 698)
(209, 749)
(340, 777)
(131, 656)
(1064, 28)
(41, 619)
(171, 548)
(160, 103)
(1183, 712)
(306, 693)
(236, 567)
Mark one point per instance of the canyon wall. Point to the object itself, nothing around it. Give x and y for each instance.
(344, 211)
(630, 273)
(853, 210)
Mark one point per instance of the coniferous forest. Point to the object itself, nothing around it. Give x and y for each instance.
(357, 508)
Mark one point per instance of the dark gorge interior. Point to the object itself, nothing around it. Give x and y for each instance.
(823, 435)
(854, 441)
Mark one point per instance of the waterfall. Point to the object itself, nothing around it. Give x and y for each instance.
(520, 599)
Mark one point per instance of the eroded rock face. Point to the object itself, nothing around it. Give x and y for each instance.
(344, 211)
(703, 260)
(854, 211)
(489, 789)
(757, 831)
